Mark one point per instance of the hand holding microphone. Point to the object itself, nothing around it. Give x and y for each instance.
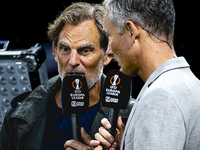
(115, 95)
(106, 138)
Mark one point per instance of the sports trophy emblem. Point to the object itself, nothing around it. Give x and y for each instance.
(77, 84)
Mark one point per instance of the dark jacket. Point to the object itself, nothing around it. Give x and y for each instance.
(24, 124)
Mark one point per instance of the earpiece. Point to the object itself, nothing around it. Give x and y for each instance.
(132, 33)
(130, 30)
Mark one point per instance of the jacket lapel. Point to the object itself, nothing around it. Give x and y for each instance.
(131, 115)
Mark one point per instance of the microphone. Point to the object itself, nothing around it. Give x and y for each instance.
(75, 100)
(115, 95)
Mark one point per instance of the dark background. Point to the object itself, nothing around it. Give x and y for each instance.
(25, 23)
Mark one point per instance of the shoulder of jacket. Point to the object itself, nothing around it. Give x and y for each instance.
(17, 101)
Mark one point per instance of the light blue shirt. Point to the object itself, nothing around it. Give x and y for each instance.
(166, 115)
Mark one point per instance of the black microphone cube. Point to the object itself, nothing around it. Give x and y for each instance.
(74, 94)
(116, 90)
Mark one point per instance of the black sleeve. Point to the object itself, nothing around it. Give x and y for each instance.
(8, 134)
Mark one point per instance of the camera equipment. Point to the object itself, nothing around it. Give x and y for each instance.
(20, 71)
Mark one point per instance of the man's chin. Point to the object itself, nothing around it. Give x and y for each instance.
(128, 73)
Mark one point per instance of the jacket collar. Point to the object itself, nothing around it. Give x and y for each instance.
(175, 63)
(172, 64)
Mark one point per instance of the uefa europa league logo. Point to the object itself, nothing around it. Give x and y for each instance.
(114, 80)
(77, 84)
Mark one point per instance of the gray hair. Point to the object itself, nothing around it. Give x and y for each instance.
(156, 16)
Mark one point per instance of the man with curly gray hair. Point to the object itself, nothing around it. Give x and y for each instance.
(36, 120)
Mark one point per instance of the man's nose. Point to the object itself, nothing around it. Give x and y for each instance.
(74, 59)
(109, 51)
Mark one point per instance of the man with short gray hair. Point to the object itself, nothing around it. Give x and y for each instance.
(166, 113)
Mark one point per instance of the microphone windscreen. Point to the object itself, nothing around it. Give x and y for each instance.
(74, 94)
(116, 90)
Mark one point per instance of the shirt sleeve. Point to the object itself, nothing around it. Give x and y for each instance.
(157, 123)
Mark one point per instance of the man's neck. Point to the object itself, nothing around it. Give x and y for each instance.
(153, 58)
(94, 95)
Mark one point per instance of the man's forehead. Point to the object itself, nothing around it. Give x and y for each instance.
(84, 31)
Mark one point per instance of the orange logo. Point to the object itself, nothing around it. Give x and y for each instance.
(77, 84)
(114, 79)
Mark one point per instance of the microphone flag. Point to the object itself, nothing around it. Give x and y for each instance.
(75, 94)
(116, 90)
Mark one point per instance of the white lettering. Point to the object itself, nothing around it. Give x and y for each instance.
(109, 99)
(77, 104)
(73, 103)
(77, 96)
(112, 92)
(113, 87)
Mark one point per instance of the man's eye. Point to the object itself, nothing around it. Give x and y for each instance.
(65, 50)
(84, 51)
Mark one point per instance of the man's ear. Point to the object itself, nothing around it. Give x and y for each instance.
(106, 60)
(54, 51)
(133, 30)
